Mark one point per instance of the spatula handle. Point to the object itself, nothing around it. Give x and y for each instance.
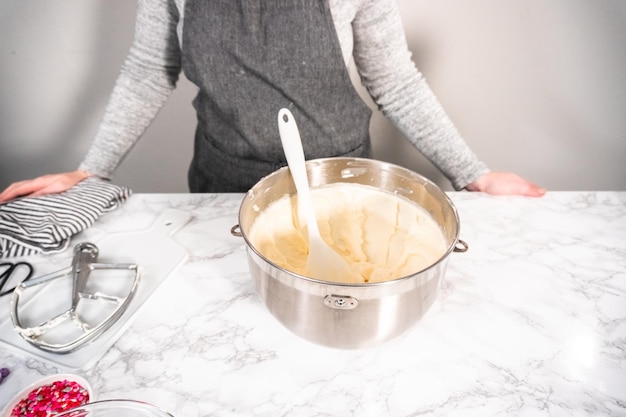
(292, 146)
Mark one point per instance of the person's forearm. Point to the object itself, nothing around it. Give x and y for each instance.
(130, 110)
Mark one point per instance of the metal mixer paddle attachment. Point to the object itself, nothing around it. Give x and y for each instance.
(77, 304)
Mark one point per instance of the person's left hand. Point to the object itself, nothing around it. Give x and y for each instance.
(505, 183)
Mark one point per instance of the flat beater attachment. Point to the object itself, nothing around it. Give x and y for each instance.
(58, 319)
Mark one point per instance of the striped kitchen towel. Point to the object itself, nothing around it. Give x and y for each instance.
(45, 224)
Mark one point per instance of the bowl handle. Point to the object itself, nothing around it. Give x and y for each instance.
(236, 231)
(461, 246)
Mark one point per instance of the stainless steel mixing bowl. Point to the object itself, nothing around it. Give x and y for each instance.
(349, 316)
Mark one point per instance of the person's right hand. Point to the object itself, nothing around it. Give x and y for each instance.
(47, 184)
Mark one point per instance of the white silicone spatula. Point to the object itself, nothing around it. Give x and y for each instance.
(322, 262)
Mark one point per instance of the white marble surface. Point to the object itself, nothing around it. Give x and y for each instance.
(531, 321)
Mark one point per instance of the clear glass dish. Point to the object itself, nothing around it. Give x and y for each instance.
(116, 408)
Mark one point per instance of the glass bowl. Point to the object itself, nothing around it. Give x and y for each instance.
(116, 408)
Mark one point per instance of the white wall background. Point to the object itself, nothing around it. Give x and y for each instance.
(535, 87)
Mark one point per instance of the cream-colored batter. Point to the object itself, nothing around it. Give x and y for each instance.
(380, 235)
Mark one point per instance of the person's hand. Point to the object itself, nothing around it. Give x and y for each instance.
(505, 183)
(47, 184)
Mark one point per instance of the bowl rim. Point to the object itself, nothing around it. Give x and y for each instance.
(113, 402)
(347, 161)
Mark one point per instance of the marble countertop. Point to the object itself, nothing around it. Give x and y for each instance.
(530, 321)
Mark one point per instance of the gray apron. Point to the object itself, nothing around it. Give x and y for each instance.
(249, 59)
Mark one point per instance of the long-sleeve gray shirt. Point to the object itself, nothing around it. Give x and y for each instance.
(370, 31)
